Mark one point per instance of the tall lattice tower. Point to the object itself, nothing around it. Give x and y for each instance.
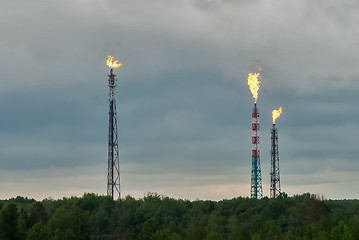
(256, 179)
(113, 168)
(274, 173)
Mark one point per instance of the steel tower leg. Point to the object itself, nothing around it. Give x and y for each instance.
(113, 168)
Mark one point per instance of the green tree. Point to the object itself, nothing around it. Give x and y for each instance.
(214, 235)
(195, 231)
(238, 231)
(148, 230)
(256, 236)
(272, 231)
(58, 223)
(22, 224)
(312, 210)
(216, 224)
(341, 232)
(290, 235)
(320, 230)
(68, 224)
(172, 231)
(80, 224)
(174, 236)
(37, 232)
(8, 219)
(89, 202)
(354, 227)
(256, 223)
(100, 222)
(64, 235)
(37, 214)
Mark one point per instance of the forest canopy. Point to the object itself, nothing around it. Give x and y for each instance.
(92, 216)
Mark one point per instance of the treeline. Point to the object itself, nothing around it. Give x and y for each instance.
(156, 217)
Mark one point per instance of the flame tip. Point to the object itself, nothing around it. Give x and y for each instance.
(113, 64)
(276, 114)
(253, 84)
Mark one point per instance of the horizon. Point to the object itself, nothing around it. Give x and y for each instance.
(315, 195)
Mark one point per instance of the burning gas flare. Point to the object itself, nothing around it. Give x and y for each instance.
(276, 114)
(253, 83)
(113, 64)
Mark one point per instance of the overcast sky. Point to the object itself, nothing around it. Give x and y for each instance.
(184, 107)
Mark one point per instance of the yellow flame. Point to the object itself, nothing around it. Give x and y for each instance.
(253, 84)
(113, 64)
(276, 114)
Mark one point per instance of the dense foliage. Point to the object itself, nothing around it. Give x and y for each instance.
(155, 217)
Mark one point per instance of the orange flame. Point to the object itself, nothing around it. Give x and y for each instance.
(113, 64)
(253, 84)
(276, 114)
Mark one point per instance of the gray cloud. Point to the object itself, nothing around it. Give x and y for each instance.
(183, 104)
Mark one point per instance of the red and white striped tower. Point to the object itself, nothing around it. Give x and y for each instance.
(256, 179)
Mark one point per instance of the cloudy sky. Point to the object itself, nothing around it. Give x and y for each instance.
(184, 108)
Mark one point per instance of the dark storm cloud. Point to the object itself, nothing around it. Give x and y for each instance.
(46, 127)
(185, 122)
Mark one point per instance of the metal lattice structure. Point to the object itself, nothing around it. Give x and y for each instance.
(274, 174)
(256, 179)
(113, 169)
